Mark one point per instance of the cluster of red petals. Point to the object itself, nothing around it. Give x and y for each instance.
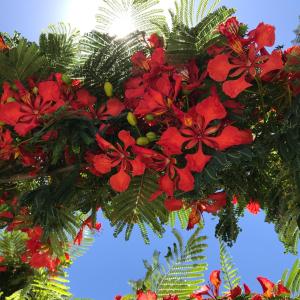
(211, 291)
(87, 223)
(37, 254)
(7, 148)
(253, 207)
(212, 204)
(244, 58)
(117, 157)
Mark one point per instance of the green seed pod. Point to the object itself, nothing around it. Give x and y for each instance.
(142, 141)
(131, 118)
(151, 136)
(66, 79)
(2, 123)
(149, 117)
(108, 89)
(186, 92)
(10, 99)
(35, 90)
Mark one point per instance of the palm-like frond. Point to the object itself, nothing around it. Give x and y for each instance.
(291, 279)
(141, 15)
(107, 59)
(133, 207)
(21, 62)
(183, 271)
(44, 287)
(230, 273)
(60, 45)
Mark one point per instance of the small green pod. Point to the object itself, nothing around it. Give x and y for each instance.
(142, 141)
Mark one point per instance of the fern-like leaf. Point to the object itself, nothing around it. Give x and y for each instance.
(132, 208)
(230, 273)
(291, 279)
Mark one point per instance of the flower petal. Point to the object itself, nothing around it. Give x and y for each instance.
(166, 185)
(102, 163)
(211, 109)
(138, 167)
(126, 138)
(49, 90)
(186, 179)
(230, 136)
(172, 204)
(197, 161)
(264, 35)
(233, 88)
(114, 107)
(171, 140)
(120, 181)
(219, 67)
(267, 286)
(273, 63)
(103, 144)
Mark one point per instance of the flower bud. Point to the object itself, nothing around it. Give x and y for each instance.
(151, 136)
(35, 90)
(10, 99)
(149, 117)
(142, 141)
(131, 118)
(108, 89)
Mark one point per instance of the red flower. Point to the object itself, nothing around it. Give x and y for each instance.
(282, 290)
(26, 113)
(197, 129)
(118, 297)
(257, 297)
(247, 289)
(245, 61)
(149, 295)
(171, 297)
(2, 259)
(173, 178)
(204, 291)
(118, 156)
(89, 223)
(253, 207)
(172, 204)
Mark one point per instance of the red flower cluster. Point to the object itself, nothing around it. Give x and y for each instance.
(157, 95)
(37, 254)
(244, 59)
(212, 291)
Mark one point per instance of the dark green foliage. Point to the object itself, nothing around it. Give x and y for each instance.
(182, 272)
(108, 59)
(21, 62)
(133, 207)
(60, 46)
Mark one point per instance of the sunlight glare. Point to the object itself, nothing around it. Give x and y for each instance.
(122, 26)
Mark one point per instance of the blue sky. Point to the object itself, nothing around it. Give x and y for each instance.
(103, 272)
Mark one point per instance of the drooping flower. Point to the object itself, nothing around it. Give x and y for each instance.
(267, 286)
(87, 223)
(118, 157)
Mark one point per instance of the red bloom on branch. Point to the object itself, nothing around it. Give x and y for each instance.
(244, 61)
(253, 207)
(26, 113)
(212, 204)
(198, 129)
(90, 224)
(118, 157)
(149, 295)
(174, 177)
(267, 286)
(171, 297)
